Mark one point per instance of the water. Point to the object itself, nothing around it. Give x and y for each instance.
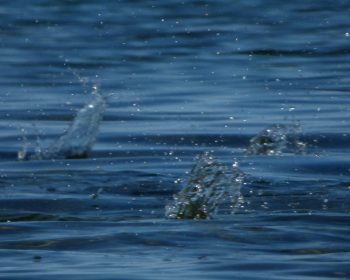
(187, 77)
(276, 140)
(210, 183)
(77, 141)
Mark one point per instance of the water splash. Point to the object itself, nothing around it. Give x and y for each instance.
(211, 183)
(23, 152)
(79, 138)
(26, 143)
(276, 140)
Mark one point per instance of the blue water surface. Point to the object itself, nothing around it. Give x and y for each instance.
(182, 78)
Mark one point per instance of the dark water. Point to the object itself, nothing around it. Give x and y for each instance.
(188, 77)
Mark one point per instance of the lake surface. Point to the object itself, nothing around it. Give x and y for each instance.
(179, 78)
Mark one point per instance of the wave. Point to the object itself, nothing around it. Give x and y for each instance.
(299, 52)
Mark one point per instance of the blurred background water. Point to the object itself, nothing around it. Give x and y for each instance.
(188, 77)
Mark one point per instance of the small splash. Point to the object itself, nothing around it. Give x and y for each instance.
(23, 152)
(79, 138)
(276, 140)
(211, 183)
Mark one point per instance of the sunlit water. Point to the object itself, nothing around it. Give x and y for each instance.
(260, 86)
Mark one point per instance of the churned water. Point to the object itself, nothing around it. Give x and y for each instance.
(174, 139)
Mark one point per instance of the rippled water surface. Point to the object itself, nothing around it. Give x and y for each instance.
(86, 199)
